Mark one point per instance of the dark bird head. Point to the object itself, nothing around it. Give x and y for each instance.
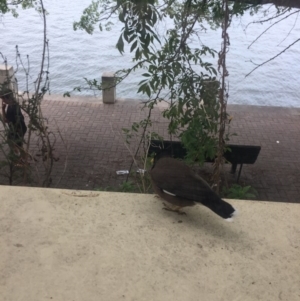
(161, 154)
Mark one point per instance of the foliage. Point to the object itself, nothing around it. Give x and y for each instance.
(239, 192)
(20, 167)
(127, 186)
(174, 72)
(140, 177)
(106, 188)
(12, 6)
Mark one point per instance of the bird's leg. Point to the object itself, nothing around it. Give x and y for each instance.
(176, 209)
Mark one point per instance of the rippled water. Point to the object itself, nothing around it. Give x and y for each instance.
(75, 54)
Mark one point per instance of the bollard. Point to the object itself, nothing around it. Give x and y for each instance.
(7, 77)
(109, 88)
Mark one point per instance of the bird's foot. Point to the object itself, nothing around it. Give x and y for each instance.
(177, 209)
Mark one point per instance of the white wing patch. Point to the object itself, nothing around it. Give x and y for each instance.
(234, 214)
(169, 193)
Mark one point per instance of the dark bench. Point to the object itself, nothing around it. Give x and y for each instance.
(237, 154)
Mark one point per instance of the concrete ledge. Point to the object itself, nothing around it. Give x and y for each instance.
(81, 245)
(163, 105)
(90, 99)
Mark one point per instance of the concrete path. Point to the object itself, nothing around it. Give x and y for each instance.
(94, 146)
(89, 246)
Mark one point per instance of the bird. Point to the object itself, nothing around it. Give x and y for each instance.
(179, 186)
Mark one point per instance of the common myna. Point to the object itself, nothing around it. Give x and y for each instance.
(180, 186)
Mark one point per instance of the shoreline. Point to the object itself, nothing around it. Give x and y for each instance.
(135, 101)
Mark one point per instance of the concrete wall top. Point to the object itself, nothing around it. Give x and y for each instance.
(66, 245)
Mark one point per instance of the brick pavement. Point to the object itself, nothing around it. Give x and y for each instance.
(93, 148)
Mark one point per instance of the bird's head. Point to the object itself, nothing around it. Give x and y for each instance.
(160, 154)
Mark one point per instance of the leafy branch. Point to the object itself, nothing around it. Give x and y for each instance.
(260, 35)
(274, 57)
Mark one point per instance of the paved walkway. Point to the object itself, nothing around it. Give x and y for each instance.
(94, 146)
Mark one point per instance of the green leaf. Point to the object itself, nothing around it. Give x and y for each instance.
(141, 89)
(121, 17)
(148, 91)
(133, 46)
(137, 54)
(120, 45)
(154, 19)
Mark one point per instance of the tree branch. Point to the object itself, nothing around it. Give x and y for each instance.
(274, 57)
(296, 12)
(284, 3)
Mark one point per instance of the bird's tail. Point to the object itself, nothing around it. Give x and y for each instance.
(220, 207)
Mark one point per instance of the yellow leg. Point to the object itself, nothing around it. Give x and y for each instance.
(176, 209)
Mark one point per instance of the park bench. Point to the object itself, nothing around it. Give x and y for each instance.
(236, 154)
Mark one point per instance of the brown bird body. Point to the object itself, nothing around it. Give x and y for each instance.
(180, 186)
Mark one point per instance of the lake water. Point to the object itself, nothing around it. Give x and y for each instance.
(75, 54)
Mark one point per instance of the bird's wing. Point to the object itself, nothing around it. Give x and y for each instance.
(175, 178)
